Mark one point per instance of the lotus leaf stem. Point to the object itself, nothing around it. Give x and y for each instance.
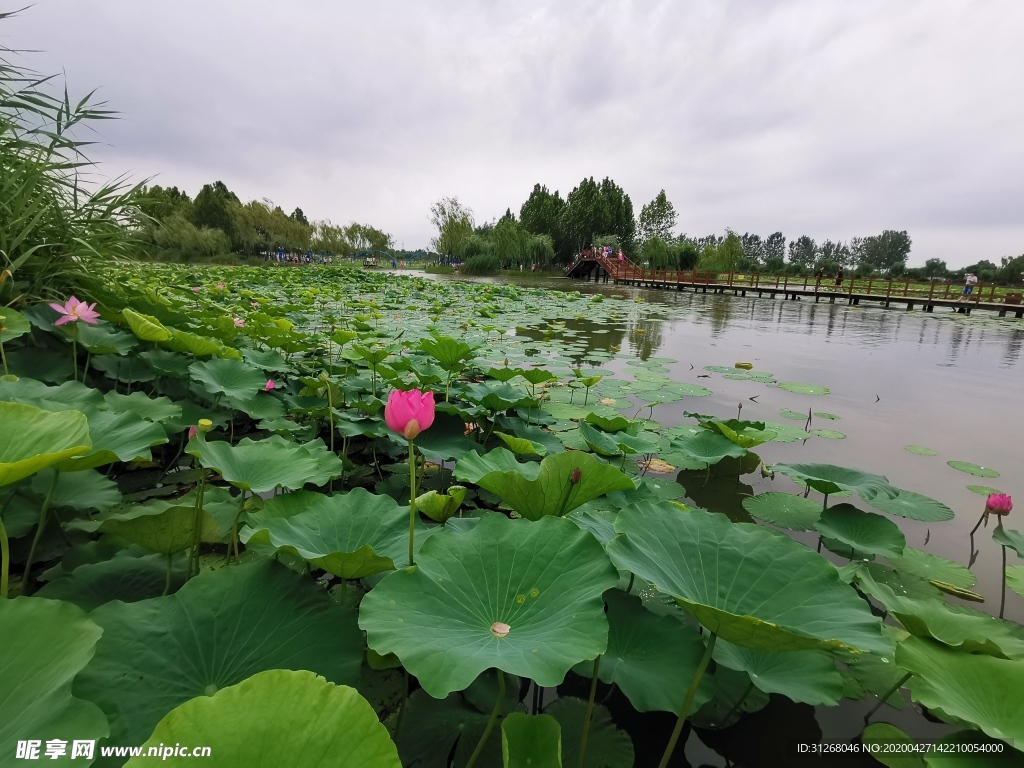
(490, 722)
(88, 361)
(1002, 598)
(690, 693)
(39, 529)
(74, 356)
(3, 356)
(738, 704)
(193, 557)
(167, 579)
(5, 560)
(412, 500)
(885, 697)
(590, 712)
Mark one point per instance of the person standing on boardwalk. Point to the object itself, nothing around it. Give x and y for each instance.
(971, 281)
(839, 277)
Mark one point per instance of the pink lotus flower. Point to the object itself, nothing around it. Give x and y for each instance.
(193, 431)
(239, 322)
(255, 304)
(998, 504)
(270, 385)
(409, 413)
(220, 286)
(74, 310)
(195, 289)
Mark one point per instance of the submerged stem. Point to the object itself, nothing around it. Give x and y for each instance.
(690, 693)
(885, 697)
(490, 722)
(590, 712)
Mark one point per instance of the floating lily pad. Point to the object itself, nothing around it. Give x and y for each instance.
(914, 506)
(803, 389)
(787, 413)
(973, 469)
(933, 568)
(757, 588)
(274, 716)
(448, 619)
(830, 479)
(829, 434)
(826, 416)
(983, 490)
(920, 450)
(784, 509)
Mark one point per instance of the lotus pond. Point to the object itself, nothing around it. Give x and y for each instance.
(321, 517)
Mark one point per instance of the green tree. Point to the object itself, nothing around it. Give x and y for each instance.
(541, 215)
(161, 202)
(454, 223)
(686, 254)
(803, 252)
(935, 268)
(509, 240)
(540, 250)
(592, 210)
(300, 217)
(831, 253)
(211, 208)
(753, 248)
(775, 249)
(657, 219)
(656, 253)
(882, 251)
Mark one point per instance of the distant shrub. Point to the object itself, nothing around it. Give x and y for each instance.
(484, 264)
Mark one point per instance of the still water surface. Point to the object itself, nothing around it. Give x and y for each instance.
(948, 382)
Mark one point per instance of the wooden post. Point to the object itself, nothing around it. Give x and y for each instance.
(888, 291)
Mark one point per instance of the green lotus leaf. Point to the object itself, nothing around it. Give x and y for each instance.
(881, 582)
(472, 466)
(1015, 578)
(983, 490)
(167, 363)
(863, 531)
(980, 690)
(735, 695)
(651, 658)
(920, 450)
(746, 434)
(973, 469)
(46, 643)
(809, 677)
(708, 447)
(786, 510)
(170, 531)
(159, 409)
(826, 416)
(747, 584)
(830, 479)
(520, 445)
(197, 346)
(272, 360)
(828, 434)
(914, 506)
(786, 433)
(216, 631)
(351, 535)
(121, 578)
(803, 389)
(566, 411)
(1008, 537)
(146, 327)
(540, 375)
(275, 717)
(236, 380)
(441, 506)
(552, 491)
(958, 626)
(607, 746)
(891, 746)
(608, 423)
(972, 749)
(502, 374)
(531, 741)
(81, 491)
(599, 442)
(497, 398)
(105, 339)
(259, 466)
(450, 353)
(877, 674)
(12, 324)
(33, 439)
(116, 437)
(790, 414)
(543, 580)
(933, 568)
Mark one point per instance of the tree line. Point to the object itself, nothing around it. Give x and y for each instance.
(551, 229)
(216, 225)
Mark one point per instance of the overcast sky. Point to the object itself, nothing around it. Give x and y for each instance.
(827, 118)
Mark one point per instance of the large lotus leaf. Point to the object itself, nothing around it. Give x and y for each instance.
(472, 466)
(262, 465)
(443, 618)
(830, 479)
(167, 363)
(878, 674)
(520, 445)
(445, 438)
(914, 506)
(862, 531)
(441, 506)
(786, 433)
(236, 380)
(216, 631)
(708, 447)
(497, 397)
(786, 510)
(651, 658)
(167, 532)
(69, 396)
(1008, 537)
(958, 626)
(116, 437)
(745, 434)
(607, 746)
(601, 443)
(197, 346)
(735, 695)
(450, 353)
(33, 439)
(276, 718)
(892, 747)
(351, 535)
(972, 749)
(12, 324)
(751, 586)
(1015, 578)
(46, 643)
(809, 677)
(979, 690)
(531, 741)
(159, 409)
(882, 583)
(146, 327)
(553, 492)
(104, 339)
(80, 491)
(121, 578)
(933, 568)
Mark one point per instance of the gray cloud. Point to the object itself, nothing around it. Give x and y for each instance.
(827, 119)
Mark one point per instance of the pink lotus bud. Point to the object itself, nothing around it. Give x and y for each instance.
(270, 385)
(255, 304)
(193, 431)
(409, 413)
(220, 286)
(998, 504)
(195, 289)
(574, 478)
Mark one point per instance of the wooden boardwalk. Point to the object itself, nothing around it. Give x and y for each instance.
(886, 292)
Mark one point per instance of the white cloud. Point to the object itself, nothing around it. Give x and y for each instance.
(830, 119)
